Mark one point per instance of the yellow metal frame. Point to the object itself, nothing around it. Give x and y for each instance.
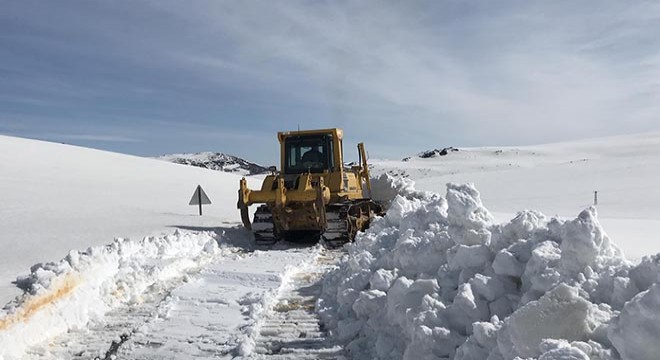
(314, 190)
(280, 196)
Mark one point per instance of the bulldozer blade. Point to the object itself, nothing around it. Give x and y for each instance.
(245, 216)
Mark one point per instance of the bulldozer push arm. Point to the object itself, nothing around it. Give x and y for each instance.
(274, 192)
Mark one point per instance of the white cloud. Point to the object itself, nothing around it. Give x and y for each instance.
(401, 75)
(527, 72)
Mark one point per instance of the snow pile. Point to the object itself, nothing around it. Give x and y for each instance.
(635, 331)
(83, 286)
(387, 187)
(437, 278)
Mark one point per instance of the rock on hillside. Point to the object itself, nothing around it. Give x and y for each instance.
(434, 153)
(216, 161)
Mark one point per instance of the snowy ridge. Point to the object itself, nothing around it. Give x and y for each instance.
(437, 278)
(216, 161)
(81, 288)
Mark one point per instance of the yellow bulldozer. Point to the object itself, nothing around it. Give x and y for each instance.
(313, 195)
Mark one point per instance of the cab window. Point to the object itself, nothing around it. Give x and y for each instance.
(313, 153)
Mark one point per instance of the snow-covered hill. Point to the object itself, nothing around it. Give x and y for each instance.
(56, 198)
(558, 179)
(216, 161)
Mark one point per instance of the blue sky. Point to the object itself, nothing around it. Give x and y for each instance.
(153, 77)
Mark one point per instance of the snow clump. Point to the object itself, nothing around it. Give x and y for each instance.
(437, 278)
(386, 187)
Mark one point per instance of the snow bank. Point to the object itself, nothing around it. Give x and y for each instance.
(83, 286)
(437, 278)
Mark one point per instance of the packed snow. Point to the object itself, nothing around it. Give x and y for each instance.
(438, 277)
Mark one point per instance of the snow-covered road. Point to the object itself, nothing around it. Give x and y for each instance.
(234, 301)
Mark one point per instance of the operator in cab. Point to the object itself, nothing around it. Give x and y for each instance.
(312, 158)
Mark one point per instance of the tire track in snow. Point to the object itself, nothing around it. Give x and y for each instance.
(208, 308)
(120, 288)
(290, 328)
(103, 338)
(213, 315)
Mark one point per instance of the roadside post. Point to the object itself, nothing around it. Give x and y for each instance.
(595, 198)
(199, 198)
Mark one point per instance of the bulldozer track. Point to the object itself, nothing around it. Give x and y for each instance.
(263, 227)
(292, 329)
(343, 221)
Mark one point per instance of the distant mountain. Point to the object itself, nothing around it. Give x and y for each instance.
(216, 161)
(434, 153)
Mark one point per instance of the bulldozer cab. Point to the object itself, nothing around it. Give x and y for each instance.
(311, 151)
(308, 153)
